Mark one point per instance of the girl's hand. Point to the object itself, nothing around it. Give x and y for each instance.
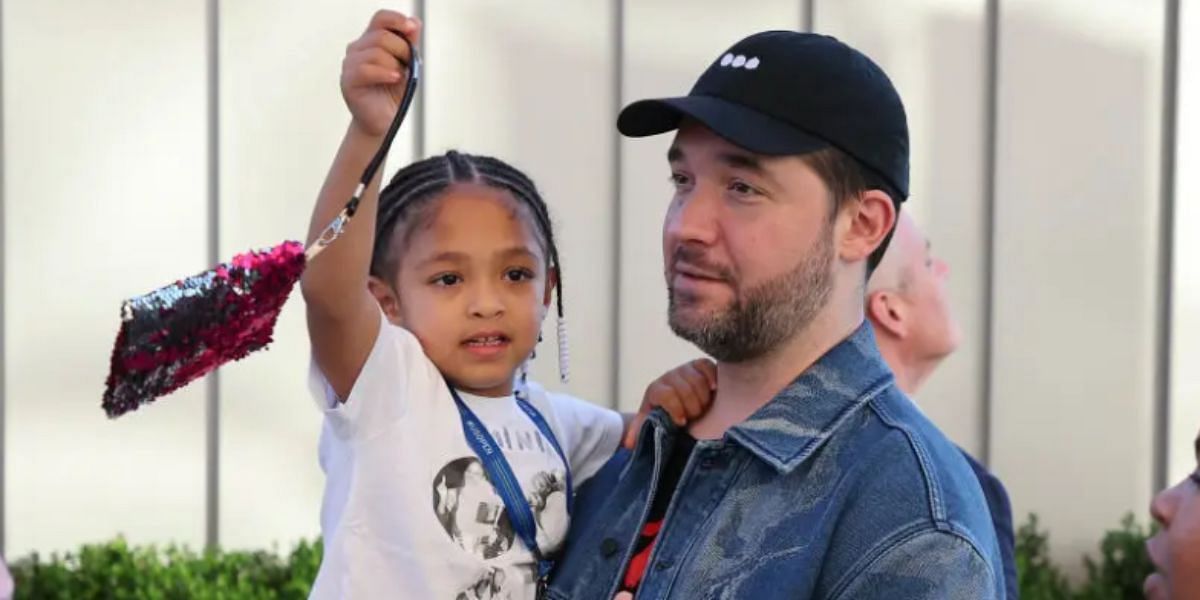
(375, 70)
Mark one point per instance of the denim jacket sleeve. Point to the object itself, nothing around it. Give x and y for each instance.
(927, 564)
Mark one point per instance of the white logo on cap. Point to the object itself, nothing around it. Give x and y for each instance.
(740, 61)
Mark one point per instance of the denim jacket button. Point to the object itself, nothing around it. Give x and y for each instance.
(608, 547)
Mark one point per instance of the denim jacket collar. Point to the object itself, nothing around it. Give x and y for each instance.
(794, 424)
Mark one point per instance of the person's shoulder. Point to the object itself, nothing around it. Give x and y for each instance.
(396, 377)
(559, 403)
(991, 484)
(930, 489)
(1002, 519)
(952, 491)
(390, 333)
(920, 563)
(588, 433)
(573, 418)
(398, 364)
(994, 492)
(921, 439)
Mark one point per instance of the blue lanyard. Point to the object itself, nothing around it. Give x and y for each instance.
(503, 479)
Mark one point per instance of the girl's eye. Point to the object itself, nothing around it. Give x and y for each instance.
(447, 279)
(516, 275)
(680, 180)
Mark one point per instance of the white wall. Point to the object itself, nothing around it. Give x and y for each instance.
(1076, 257)
(1184, 419)
(104, 132)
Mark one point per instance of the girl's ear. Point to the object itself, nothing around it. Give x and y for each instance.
(387, 298)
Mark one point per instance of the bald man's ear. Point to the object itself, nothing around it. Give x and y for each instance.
(888, 313)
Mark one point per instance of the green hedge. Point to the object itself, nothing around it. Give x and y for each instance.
(1117, 574)
(117, 571)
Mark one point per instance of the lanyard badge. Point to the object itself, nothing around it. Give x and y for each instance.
(520, 514)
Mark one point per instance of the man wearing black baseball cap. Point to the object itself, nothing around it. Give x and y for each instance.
(812, 475)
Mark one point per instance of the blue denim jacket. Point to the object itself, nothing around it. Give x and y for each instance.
(1002, 523)
(838, 488)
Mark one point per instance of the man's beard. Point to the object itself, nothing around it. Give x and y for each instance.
(763, 317)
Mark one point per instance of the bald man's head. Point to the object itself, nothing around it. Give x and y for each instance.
(908, 306)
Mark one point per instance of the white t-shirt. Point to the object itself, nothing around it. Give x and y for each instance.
(409, 511)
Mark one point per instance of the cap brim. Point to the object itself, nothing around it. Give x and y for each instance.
(742, 126)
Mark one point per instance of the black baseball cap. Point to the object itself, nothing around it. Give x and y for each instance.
(781, 93)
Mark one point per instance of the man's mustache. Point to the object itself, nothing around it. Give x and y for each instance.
(690, 260)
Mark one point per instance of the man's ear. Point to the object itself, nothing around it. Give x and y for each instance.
(387, 298)
(889, 313)
(871, 217)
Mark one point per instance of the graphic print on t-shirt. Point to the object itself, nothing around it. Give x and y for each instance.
(469, 509)
(489, 587)
(474, 516)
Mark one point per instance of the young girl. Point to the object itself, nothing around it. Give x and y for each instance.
(448, 475)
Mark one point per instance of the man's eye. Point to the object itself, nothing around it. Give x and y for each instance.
(742, 188)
